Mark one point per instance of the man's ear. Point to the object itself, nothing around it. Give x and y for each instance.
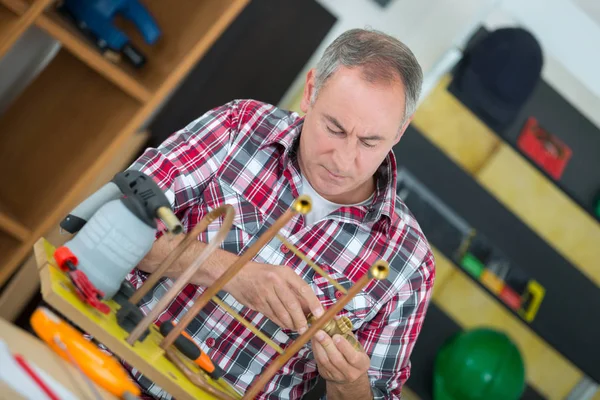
(403, 129)
(309, 87)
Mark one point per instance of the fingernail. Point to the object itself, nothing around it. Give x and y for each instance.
(337, 338)
(302, 330)
(320, 335)
(319, 312)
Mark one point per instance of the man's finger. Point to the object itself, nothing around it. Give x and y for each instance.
(322, 357)
(279, 311)
(293, 308)
(305, 292)
(348, 352)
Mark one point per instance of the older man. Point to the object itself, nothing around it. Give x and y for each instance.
(357, 102)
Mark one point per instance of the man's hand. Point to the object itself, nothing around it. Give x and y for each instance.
(342, 366)
(277, 292)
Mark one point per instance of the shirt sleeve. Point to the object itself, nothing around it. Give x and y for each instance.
(390, 337)
(187, 160)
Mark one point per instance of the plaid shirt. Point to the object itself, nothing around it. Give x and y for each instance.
(243, 154)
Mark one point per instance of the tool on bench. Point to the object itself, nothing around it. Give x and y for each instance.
(116, 227)
(72, 346)
(67, 262)
(186, 345)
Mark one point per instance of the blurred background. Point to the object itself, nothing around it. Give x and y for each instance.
(501, 164)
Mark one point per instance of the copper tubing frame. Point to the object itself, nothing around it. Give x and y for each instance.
(228, 213)
(301, 205)
(379, 270)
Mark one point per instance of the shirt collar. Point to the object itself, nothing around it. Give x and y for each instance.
(382, 208)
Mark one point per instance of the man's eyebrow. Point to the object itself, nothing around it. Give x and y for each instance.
(371, 137)
(335, 122)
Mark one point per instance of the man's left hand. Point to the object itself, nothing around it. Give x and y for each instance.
(337, 360)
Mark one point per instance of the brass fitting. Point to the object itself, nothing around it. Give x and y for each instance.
(341, 326)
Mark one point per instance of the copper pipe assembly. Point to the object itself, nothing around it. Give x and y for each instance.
(301, 205)
(312, 264)
(379, 270)
(248, 325)
(341, 326)
(228, 213)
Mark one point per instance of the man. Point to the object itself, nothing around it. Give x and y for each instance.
(258, 158)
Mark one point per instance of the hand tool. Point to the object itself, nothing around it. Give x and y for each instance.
(186, 345)
(71, 345)
(88, 293)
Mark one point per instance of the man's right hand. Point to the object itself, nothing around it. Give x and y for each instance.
(277, 292)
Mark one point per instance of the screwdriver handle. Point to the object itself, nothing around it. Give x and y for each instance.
(186, 345)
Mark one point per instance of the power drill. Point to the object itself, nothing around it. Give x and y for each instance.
(116, 227)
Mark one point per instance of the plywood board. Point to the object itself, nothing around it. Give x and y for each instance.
(145, 356)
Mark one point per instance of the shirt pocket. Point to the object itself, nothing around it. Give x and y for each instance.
(357, 309)
(247, 219)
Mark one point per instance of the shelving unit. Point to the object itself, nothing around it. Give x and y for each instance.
(58, 135)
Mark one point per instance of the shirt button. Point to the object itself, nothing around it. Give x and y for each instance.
(338, 294)
(284, 249)
(210, 342)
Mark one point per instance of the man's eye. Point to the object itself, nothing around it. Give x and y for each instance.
(368, 145)
(334, 131)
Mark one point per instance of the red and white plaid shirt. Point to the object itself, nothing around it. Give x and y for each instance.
(243, 154)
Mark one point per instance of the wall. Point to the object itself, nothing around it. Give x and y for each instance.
(432, 28)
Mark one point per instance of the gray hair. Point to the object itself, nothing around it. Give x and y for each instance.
(382, 57)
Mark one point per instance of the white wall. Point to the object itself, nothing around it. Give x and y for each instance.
(432, 28)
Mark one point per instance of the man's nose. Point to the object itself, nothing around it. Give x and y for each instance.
(344, 157)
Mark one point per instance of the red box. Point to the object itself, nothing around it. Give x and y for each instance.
(544, 148)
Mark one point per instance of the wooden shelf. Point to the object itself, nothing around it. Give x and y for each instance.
(53, 132)
(189, 28)
(188, 31)
(8, 24)
(11, 225)
(8, 247)
(13, 29)
(120, 74)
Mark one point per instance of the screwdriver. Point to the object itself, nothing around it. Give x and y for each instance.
(186, 345)
(71, 345)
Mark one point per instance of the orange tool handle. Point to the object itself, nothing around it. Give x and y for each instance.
(186, 345)
(96, 365)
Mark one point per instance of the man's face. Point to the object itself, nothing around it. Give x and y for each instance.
(348, 132)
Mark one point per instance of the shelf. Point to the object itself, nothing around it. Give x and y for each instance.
(8, 25)
(53, 132)
(11, 225)
(189, 28)
(15, 28)
(8, 247)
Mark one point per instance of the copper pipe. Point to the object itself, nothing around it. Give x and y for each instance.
(177, 251)
(228, 212)
(312, 264)
(248, 325)
(301, 205)
(378, 271)
(195, 378)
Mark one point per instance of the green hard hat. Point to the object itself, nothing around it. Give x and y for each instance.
(479, 364)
